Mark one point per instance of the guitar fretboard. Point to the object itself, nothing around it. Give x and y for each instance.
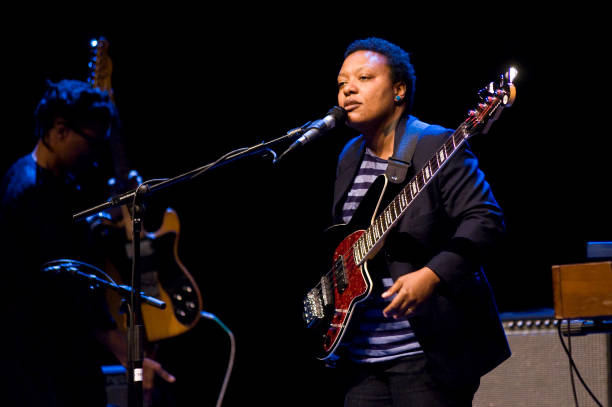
(368, 244)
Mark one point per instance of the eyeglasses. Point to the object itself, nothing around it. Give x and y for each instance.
(92, 141)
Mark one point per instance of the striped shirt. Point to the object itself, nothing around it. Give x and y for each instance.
(375, 338)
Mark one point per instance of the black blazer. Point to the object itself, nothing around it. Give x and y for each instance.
(449, 227)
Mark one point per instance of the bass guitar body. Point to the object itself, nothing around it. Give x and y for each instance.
(330, 305)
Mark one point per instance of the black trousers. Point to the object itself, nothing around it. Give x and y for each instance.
(400, 383)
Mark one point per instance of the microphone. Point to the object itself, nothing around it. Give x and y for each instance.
(319, 127)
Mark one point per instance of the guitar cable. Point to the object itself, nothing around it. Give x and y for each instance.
(573, 367)
(230, 363)
(209, 315)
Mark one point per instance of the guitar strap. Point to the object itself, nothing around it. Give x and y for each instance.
(406, 138)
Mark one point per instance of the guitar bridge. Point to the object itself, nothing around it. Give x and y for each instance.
(313, 307)
(318, 302)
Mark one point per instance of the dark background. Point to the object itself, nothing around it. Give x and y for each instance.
(191, 86)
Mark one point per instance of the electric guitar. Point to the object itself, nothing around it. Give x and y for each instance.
(163, 276)
(329, 306)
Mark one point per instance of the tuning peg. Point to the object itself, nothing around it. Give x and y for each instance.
(491, 88)
(508, 95)
(484, 93)
(511, 74)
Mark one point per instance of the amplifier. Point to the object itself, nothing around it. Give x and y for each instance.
(116, 385)
(538, 373)
(599, 250)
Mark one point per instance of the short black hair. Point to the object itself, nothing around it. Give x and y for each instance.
(399, 62)
(76, 101)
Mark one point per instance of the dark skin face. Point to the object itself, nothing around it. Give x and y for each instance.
(368, 94)
(66, 149)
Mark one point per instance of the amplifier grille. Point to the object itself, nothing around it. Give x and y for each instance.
(537, 373)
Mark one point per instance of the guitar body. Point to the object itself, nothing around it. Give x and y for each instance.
(330, 306)
(163, 276)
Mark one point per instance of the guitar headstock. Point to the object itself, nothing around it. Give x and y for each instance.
(100, 65)
(495, 97)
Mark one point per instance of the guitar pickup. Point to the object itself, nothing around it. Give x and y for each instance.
(340, 275)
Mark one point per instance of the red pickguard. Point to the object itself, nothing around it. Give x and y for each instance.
(358, 288)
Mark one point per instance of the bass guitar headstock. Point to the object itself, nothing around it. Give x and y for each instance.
(100, 65)
(494, 98)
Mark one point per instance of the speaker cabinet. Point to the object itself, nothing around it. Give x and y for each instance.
(538, 373)
(116, 385)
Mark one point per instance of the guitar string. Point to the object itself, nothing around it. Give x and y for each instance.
(419, 176)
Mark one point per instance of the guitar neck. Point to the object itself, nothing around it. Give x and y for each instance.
(369, 243)
(494, 100)
(101, 69)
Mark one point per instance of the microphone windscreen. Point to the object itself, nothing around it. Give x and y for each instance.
(338, 113)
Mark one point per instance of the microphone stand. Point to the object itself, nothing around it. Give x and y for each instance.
(136, 197)
(135, 351)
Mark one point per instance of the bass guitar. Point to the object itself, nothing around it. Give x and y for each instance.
(329, 306)
(163, 276)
